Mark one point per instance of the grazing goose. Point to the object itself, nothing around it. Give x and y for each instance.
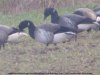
(61, 20)
(86, 12)
(92, 21)
(46, 33)
(70, 20)
(7, 34)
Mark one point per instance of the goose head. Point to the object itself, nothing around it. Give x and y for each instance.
(49, 11)
(24, 24)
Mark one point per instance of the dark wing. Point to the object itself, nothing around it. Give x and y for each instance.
(76, 19)
(13, 30)
(67, 23)
(8, 30)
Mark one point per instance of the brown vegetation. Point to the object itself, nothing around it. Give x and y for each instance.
(15, 6)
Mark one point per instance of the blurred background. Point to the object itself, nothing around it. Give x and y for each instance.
(17, 6)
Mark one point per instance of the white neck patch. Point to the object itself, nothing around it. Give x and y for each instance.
(28, 24)
(98, 18)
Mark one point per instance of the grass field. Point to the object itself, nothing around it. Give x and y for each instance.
(30, 56)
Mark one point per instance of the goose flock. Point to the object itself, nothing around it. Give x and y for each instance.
(60, 30)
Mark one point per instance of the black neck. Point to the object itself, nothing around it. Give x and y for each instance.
(31, 30)
(54, 17)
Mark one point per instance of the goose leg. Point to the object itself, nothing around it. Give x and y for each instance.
(89, 30)
(0, 46)
(55, 44)
(3, 46)
(64, 41)
(75, 37)
(47, 44)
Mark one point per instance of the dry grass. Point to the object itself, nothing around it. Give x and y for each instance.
(30, 56)
(17, 6)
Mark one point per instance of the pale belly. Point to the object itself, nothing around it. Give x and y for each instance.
(16, 37)
(61, 37)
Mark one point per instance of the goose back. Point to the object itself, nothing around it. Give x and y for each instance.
(8, 30)
(76, 19)
(87, 13)
(50, 27)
